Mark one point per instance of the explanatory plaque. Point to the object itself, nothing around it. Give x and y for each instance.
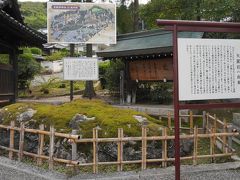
(208, 69)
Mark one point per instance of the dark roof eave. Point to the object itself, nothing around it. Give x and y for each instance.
(136, 52)
(38, 39)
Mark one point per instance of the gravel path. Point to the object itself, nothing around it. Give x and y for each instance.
(13, 170)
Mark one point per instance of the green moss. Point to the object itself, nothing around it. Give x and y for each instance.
(108, 118)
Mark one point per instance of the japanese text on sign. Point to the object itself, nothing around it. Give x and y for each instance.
(80, 69)
(208, 69)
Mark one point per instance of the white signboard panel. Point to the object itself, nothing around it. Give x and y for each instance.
(80, 69)
(208, 69)
(91, 23)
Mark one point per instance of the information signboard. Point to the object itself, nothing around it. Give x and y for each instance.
(80, 69)
(91, 23)
(208, 69)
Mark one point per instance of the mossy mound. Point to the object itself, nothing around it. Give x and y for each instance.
(108, 118)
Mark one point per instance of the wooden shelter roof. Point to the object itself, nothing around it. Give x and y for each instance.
(153, 43)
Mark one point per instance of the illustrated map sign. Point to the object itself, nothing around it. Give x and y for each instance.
(80, 69)
(208, 69)
(81, 23)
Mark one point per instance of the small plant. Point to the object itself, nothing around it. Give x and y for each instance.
(63, 85)
(45, 86)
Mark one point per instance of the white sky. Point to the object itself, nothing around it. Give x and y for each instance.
(140, 1)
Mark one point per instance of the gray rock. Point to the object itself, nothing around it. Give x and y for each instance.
(236, 119)
(26, 116)
(77, 119)
(1, 115)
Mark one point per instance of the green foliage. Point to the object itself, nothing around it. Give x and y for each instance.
(35, 14)
(103, 66)
(161, 93)
(27, 68)
(190, 10)
(112, 75)
(45, 86)
(35, 50)
(108, 118)
(124, 20)
(57, 55)
(4, 59)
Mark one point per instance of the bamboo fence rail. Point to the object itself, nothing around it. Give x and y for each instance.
(211, 123)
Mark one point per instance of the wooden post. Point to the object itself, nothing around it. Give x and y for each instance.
(164, 147)
(224, 147)
(229, 129)
(191, 122)
(74, 146)
(215, 122)
(11, 143)
(169, 120)
(21, 142)
(212, 144)
(95, 151)
(144, 147)
(207, 123)
(120, 149)
(40, 145)
(195, 147)
(51, 147)
(204, 118)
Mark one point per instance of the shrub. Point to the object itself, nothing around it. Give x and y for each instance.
(103, 66)
(112, 75)
(36, 51)
(161, 93)
(27, 69)
(57, 55)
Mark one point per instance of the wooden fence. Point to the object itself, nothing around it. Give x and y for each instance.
(164, 138)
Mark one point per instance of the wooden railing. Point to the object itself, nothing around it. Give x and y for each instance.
(164, 138)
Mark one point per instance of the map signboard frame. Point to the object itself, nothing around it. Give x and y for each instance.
(89, 23)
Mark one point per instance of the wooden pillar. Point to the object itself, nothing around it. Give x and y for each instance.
(122, 78)
(134, 92)
(204, 118)
(128, 83)
(14, 63)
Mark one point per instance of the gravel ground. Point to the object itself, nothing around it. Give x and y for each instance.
(13, 170)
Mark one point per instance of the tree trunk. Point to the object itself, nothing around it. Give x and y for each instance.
(135, 16)
(89, 89)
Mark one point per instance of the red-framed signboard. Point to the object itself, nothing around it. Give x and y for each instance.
(192, 26)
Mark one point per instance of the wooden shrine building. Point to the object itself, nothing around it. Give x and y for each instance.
(147, 56)
(13, 34)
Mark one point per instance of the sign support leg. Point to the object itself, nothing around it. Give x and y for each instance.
(72, 47)
(176, 105)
